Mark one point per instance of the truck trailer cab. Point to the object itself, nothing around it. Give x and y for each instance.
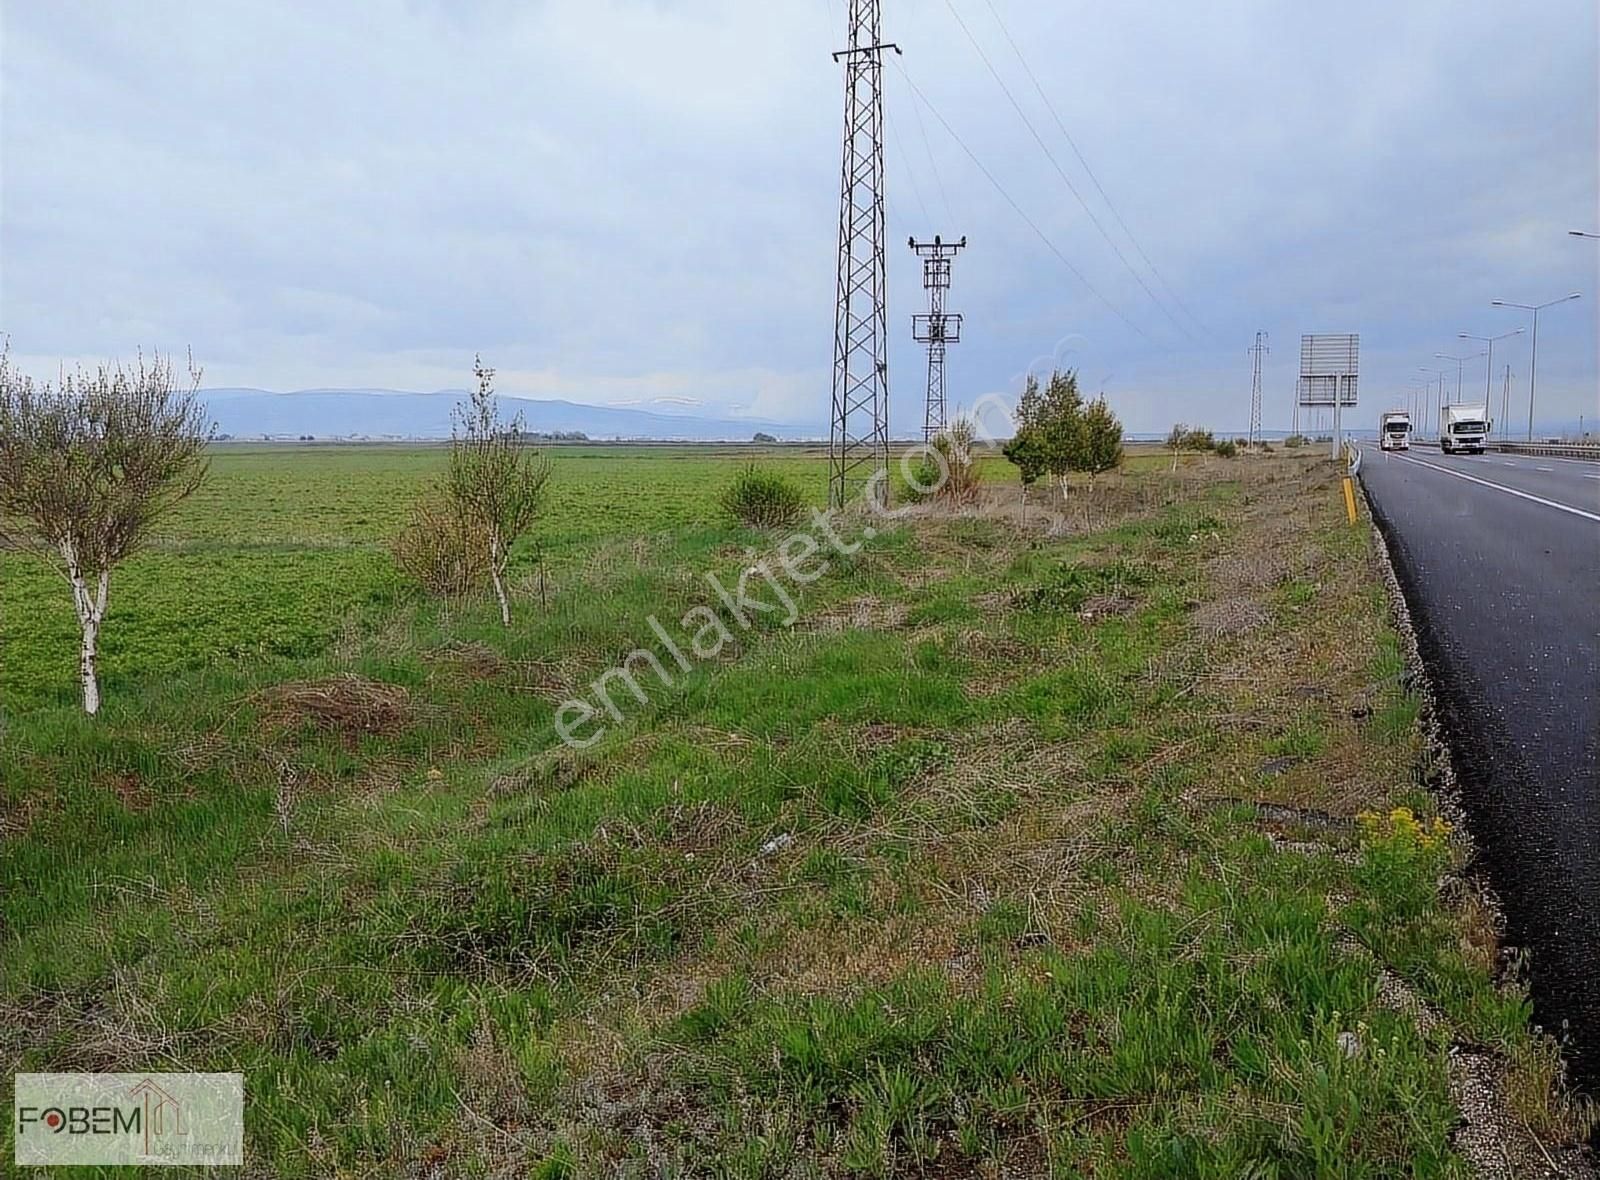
(1464, 428)
(1394, 431)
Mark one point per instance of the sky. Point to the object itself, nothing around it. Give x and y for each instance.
(635, 202)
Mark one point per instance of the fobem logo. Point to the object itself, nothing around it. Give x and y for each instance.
(129, 1119)
(79, 1120)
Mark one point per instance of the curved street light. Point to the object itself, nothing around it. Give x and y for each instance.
(1438, 410)
(1459, 360)
(1488, 372)
(1533, 361)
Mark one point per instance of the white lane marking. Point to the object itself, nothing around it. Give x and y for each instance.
(1507, 463)
(1550, 469)
(1590, 475)
(1595, 516)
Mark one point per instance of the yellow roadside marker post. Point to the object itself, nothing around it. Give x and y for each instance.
(1350, 498)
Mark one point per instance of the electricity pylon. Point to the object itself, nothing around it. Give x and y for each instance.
(936, 329)
(858, 441)
(1256, 351)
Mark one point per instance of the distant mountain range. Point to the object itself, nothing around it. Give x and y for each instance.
(390, 413)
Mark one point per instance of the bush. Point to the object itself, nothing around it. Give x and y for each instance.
(954, 445)
(1226, 449)
(443, 551)
(1242, 443)
(763, 499)
(923, 478)
(1295, 440)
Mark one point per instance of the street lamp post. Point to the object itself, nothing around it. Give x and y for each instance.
(1578, 233)
(1419, 404)
(1438, 410)
(1533, 360)
(1459, 360)
(1488, 370)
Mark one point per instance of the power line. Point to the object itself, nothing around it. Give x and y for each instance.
(1062, 172)
(927, 145)
(1073, 144)
(1000, 188)
(911, 176)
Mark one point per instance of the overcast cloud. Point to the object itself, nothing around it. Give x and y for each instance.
(618, 201)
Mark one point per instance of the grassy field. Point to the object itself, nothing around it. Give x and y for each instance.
(1015, 852)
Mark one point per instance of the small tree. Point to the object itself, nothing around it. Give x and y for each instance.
(87, 467)
(1175, 441)
(1101, 439)
(1049, 434)
(494, 483)
(957, 467)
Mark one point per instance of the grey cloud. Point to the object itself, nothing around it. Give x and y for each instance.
(638, 199)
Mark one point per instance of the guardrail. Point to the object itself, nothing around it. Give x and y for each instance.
(1590, 451)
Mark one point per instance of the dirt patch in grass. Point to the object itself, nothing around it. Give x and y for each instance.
(866, 613)
(130, 789)
(542, 677)
(1256, 569)
(469, 659)
(349, 705)
(1106, 606)
(1228, 618)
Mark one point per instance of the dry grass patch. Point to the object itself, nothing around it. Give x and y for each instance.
(1229, 618)
(865, 613)
(348, 705)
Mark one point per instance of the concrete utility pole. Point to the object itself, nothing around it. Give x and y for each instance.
(858, 441)
(1256, 351)
(936, 329)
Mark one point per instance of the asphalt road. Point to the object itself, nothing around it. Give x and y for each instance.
(1499, 557)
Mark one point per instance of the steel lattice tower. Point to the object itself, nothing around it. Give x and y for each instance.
(1257, 350)
(858, 445)
(936, 329)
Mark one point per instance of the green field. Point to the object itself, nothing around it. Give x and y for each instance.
(1014, 850)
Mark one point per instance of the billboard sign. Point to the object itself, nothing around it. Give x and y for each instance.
(1330, 369)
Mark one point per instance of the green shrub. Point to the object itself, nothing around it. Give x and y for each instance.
(1227, 448)
(444, 551)
(763, 499)
(923, 478)
(960, 475)
(1295, 440)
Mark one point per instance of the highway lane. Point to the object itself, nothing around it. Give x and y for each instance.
(1573, 481)
(1502, 574)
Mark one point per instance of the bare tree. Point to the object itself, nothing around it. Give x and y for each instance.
(494, 482)
(87, 467)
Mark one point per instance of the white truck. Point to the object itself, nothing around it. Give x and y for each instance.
(1394, 431)
(1463, 428)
